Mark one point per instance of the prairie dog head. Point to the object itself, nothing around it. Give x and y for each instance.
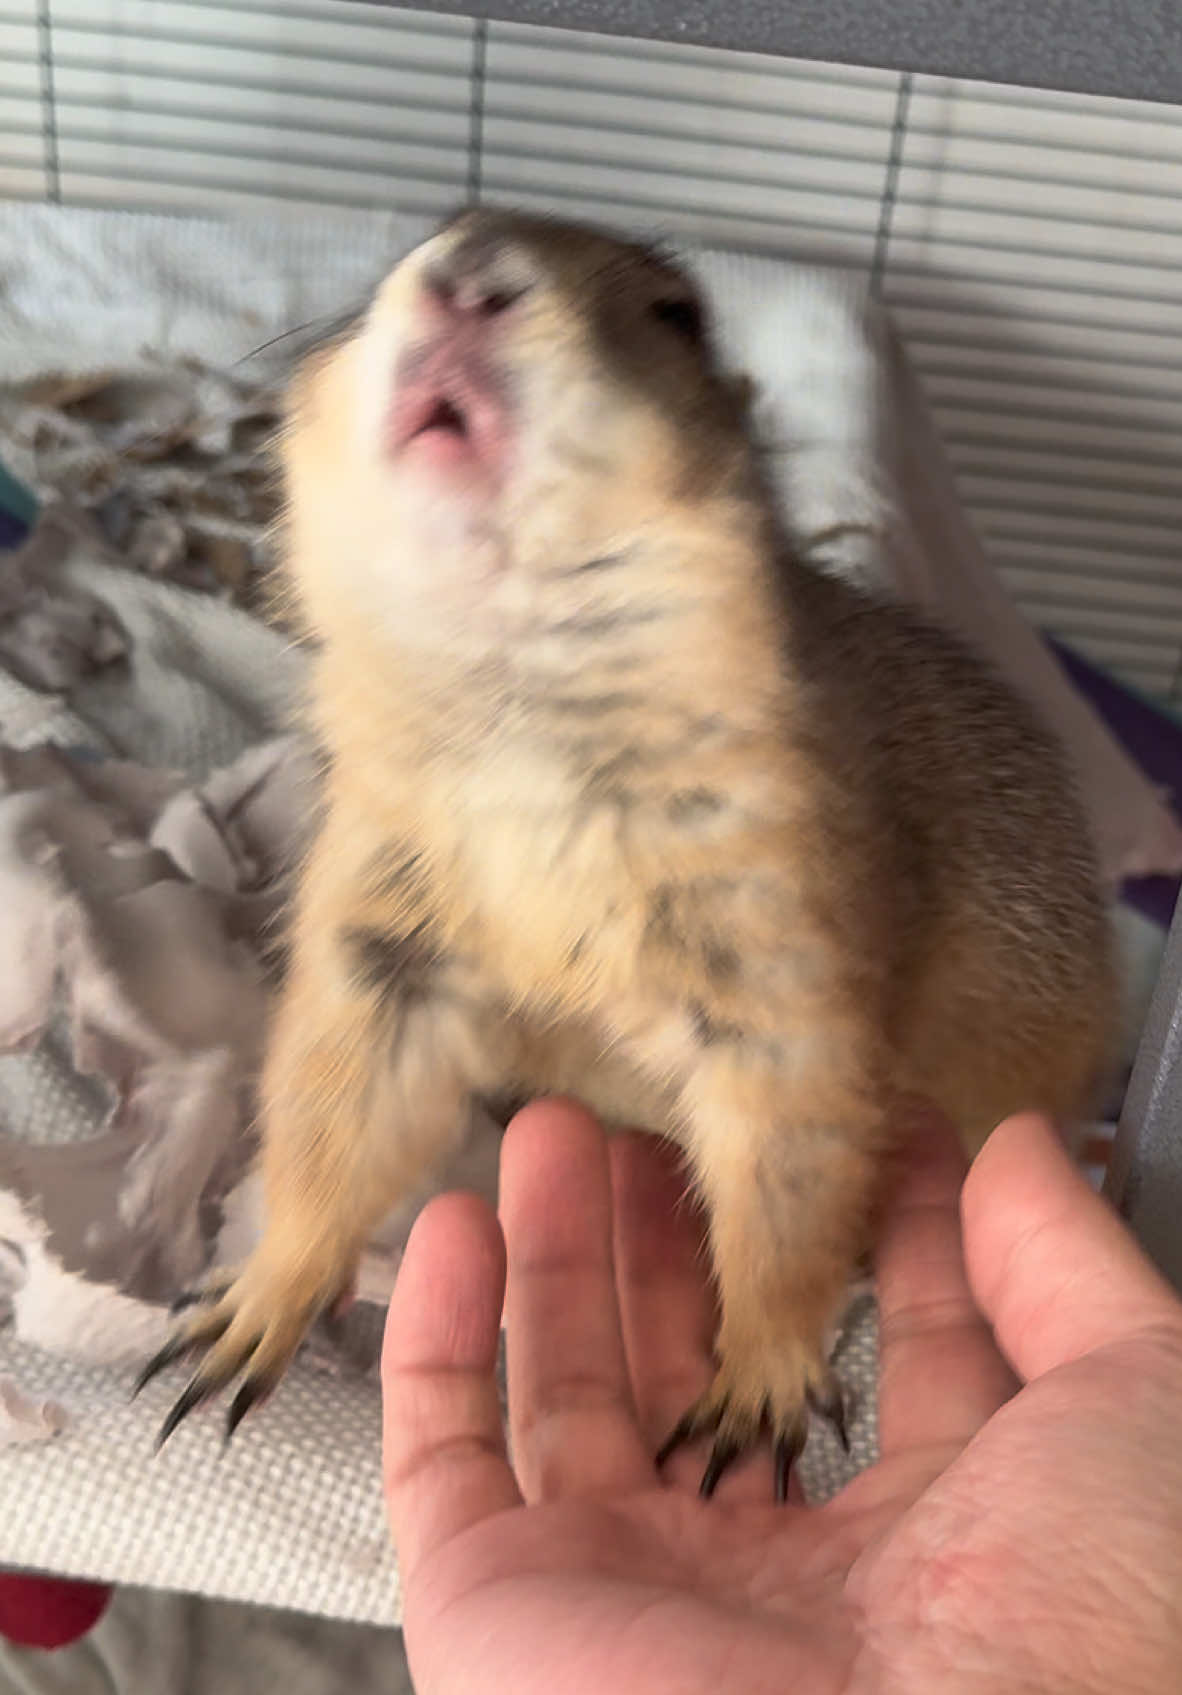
(522, 399)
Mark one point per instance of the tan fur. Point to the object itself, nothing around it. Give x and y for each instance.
(712, 842)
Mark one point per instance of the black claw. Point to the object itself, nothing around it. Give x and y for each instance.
(686, 1428)
(784, 1459)
(789, 1446)
(172, 1350)
(723, 1454)
(189, 1298)
(831, 1407)
(254, 1389)
(196, 1392)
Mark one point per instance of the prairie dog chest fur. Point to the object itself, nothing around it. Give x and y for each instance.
(623, 799)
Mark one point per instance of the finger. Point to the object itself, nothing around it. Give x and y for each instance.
(444, 1461)
(1052, 1266)
(572, 1419)
(667, 1306)
(940, 1373)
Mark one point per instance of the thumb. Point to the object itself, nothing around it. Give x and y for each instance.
(1051, 1265)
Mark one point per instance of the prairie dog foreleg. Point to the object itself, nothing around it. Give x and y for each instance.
(784, 1151)
(381, 1036)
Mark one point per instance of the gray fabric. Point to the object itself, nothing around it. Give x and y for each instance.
(1088, 46)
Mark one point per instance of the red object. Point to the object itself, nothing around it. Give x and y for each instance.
(48, 1612)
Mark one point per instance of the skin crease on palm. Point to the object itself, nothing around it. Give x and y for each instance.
(1007, 1540)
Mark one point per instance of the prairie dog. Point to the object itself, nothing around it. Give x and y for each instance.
(624, 801)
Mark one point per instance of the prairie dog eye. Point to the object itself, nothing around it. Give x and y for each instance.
(683, 315)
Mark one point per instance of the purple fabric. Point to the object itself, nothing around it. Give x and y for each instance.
(12, 530)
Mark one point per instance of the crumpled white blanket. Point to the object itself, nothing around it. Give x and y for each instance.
(140, 932)
(135, 909)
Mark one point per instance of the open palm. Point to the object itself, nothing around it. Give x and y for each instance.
(971, 1556)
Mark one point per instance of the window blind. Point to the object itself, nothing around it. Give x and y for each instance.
(1028, 243)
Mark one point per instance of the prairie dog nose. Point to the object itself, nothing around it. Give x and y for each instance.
(483, 275)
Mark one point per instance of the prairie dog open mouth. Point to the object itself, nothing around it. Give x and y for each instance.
(448, 412)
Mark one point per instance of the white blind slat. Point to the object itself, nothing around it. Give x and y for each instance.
(22, 150)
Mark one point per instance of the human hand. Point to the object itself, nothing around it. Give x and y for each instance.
(1028, 1541)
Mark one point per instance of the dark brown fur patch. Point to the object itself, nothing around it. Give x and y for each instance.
(394, 871)
(594, 705)
(661, 924)
(708, 1032)
(676, 923)
(594, 624)
(600, 562)
(722, 962)
(397, 966)
(691, 806)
